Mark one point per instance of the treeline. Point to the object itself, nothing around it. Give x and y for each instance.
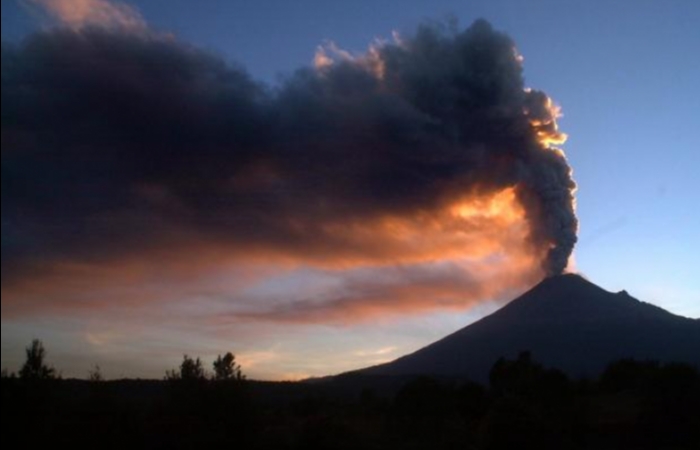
(35, 368)
(189, 408)
(633, 404)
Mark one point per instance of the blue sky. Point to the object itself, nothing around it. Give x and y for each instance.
(625, 74)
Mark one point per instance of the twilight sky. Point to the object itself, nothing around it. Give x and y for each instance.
(321, 186)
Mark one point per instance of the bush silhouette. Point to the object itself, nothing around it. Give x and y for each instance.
(472, 401)
(669, 407)
(34, 367)
(531, 406)
(190, 370)
(95, 375)
(225, 368)
(628, 374)
(424, 397)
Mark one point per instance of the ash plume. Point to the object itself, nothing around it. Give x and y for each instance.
(120, 142)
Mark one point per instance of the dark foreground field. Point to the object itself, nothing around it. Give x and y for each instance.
(632, 405)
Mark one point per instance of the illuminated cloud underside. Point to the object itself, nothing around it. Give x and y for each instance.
(138, 170)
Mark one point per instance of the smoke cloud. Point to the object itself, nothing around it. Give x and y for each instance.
(78, 14)
(122, 146)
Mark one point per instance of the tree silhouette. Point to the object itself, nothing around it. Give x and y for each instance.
(226, 368)
(34, 367)
(95, 374)
(628, 374)
(190, 370)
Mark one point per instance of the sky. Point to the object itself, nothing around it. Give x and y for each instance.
(321, 186)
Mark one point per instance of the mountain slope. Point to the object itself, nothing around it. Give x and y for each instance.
(566, 322)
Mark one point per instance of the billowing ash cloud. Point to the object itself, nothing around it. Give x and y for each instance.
(122, 145)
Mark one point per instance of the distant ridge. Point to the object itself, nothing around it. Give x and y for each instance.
(567, 323)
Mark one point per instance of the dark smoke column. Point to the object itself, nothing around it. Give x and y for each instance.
(548, 187)
(491, 129)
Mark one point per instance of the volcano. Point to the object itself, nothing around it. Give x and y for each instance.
(566, 322)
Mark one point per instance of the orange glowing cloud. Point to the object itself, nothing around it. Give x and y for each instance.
(410, 183)
(544, 122)
(472, 249)
(77, 14)
(447, 289)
